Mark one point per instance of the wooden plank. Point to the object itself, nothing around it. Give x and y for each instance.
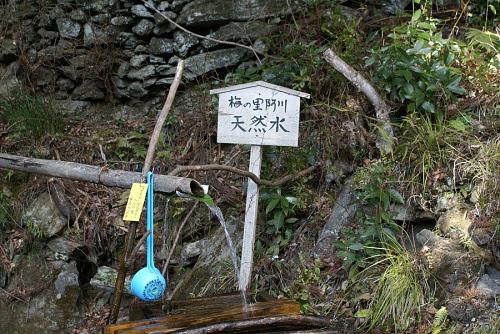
(252, 206)
(206, 316)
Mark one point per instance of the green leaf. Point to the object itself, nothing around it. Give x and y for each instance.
(356, 246)
(416, 15)
(272, 204)
(429, 107)
(396, 196)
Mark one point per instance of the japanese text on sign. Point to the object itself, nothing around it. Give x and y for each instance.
(135, 202)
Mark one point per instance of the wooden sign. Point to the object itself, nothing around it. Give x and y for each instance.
(258, 113)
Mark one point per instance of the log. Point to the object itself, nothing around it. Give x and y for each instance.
(95, 174)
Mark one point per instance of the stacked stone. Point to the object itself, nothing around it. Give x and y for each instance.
(125, 50)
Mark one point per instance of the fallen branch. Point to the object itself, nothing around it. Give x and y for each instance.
(124, 266)
(255, 178)
(176, 240)
(382, 110)
(255, 52)
(95, 174)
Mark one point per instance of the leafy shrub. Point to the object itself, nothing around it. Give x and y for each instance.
(417, 67)
(30, 115)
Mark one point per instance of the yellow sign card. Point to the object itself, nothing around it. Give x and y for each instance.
(135, 202)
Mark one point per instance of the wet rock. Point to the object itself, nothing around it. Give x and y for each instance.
(239, 31)
(207, 13)
(89, 90)
(65, 85)
(143, 28)
(488, 286)
(68, 28)
(343, 212)
(161, 46)
(122, 21)
(8, 78)
(142, 73)
(78, 15)
(183, 43)
(141, 11)
(449, 263)
(200, 64)
(138, 60)
(43, 217)
(191, 251)
(105, 279)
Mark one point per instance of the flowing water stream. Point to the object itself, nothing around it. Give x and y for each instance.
(232, 249)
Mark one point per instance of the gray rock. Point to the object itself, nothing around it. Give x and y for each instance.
(48, 35)
(65, 85)
(164, 81)
(43, 217)
(456, 219)
(343, 212)
(89, 90)
(143, 28)
(161, 20)
(164, 5)
(71, 107)
(128, 40)
(184, 42)
(163, 29)
(142, 73)
(394, 6)
(100, 5)
(68, 28)
(408, 213)
(105, 279)
(164, 69)
(138, 60)
(156, 60)
(66, 278)
(161, 46)
(178, 4)
(92, 34)
(488, 286)
(101, 18)
(123, 70)
(8, 78)
(206, 62)
(78, 15)
(141, 49)
(136, 89)
(149, 82)
(191, 251)
(207, 13)
(239, 31)
(45, 76)
(141, 11)
(122, 21)
(63, 248)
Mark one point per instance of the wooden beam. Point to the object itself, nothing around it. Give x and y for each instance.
(96, 174)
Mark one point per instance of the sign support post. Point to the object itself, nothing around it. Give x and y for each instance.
(252, 206)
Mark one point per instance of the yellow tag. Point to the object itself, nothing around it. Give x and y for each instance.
(135, 202)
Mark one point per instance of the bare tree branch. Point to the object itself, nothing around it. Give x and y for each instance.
(255, 178)
(382, 110)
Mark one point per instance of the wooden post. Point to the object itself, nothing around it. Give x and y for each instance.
(252, 206)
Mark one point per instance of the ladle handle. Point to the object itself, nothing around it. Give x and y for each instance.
(149, 221)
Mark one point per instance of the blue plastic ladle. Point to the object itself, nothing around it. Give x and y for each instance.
(148, 284)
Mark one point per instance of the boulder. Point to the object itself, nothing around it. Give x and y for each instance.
(92, 34)
(122, 21)
(78, 15)
(191, 251)
(128, 40)
(101, 19)
(138, 60)
(209, 13)
(141, 11)
(142, 73)
(8, 78)
(136, 89)
(105, 279)
(62, 248)
(71, 107)
(183, 43)
(43, 218)
(454, 219)
(238, 31)
(488, 286)
(68, 28)
(67, 278)
(65, 84)
(100, 5)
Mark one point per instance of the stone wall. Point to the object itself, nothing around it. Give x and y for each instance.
(121, 49)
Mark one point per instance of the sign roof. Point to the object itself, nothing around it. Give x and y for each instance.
(261, 84)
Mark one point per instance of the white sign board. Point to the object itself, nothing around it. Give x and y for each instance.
(258, 113)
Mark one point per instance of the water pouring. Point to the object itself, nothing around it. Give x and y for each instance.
(148, 284)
